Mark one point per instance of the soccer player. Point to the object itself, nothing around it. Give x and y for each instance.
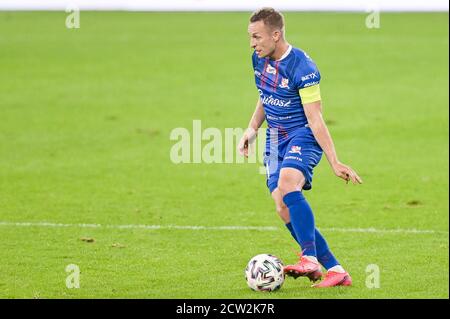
(289, 100)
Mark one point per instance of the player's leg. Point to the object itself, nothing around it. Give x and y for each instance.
(336, 275)
(324, 254)
(290, 184)
(273, 167)
(283, 212)
(302, 155)
(292, 175)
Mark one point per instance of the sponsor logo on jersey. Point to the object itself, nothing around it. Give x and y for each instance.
(270, 69)
(293, 158)
(278, 118)
(311, 84)
(309, 76)
(270, 100)
(284, 83)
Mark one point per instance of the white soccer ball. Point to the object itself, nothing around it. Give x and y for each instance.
(264, 272)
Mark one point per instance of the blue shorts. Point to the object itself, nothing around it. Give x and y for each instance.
(300, 151)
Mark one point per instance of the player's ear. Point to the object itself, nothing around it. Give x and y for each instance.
(276, 35)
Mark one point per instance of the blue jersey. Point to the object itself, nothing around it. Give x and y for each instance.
(279, 82)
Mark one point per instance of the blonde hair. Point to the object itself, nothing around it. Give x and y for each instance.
(270, 17)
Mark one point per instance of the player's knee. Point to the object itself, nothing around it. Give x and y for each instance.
(290, 183)
(286, 186)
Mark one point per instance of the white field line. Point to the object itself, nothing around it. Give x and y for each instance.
(384, 231)
(155, 227)
(261, 228)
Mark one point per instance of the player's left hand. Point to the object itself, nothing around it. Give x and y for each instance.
(347, 173)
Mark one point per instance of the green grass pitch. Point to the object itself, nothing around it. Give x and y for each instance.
(85, 118)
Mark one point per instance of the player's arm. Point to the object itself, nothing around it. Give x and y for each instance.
(312, 106)
(252, 130)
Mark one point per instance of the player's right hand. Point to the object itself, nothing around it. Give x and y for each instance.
(247, 138)
(243, 146)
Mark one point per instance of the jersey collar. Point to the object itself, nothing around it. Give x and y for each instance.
(286, 53)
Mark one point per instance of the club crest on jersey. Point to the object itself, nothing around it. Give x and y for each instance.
(270, 69)
(284, 83)
(295, 150)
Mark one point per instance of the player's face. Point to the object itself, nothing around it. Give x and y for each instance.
(261, 39)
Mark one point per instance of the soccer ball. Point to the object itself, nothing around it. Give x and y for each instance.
(264, 272)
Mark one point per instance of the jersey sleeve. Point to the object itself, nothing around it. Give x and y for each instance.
(308, 79)
(254, 60)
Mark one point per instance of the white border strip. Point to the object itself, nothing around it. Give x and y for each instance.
(260, 228)
(227, 5)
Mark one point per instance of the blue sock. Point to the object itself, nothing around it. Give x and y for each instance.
(291, 230)
(324, 254)
(302, 220)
